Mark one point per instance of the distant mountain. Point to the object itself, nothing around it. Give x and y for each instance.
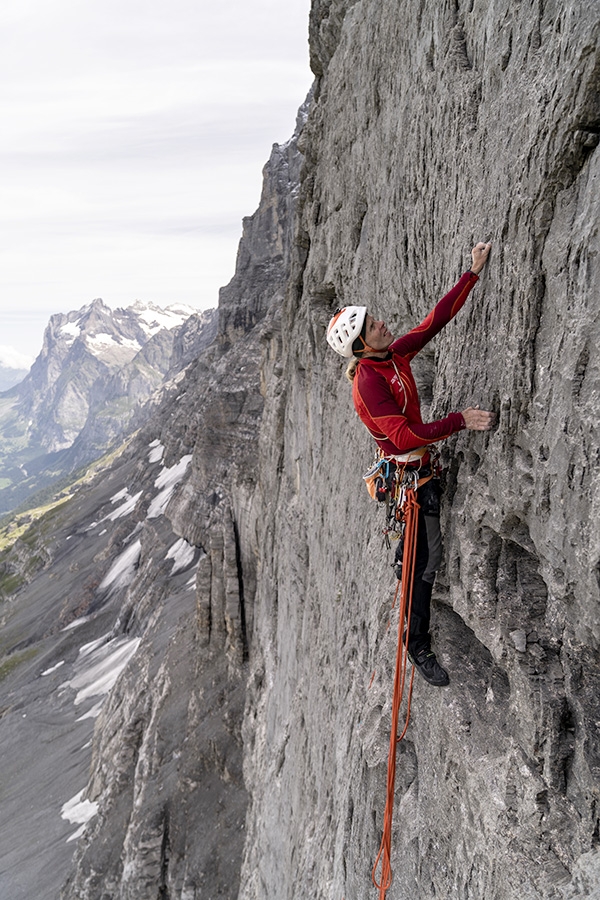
(126, 617)
(14, 366)
(9, 376)
(97, 370)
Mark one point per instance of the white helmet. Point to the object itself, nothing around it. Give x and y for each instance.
(344, 328)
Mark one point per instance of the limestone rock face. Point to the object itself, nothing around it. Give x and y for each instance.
(172, 810)
(434, 126)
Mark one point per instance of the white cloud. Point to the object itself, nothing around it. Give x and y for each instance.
(13, 359)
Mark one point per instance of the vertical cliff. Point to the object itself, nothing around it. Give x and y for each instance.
(126, 617)
(227, 571)
(166, 770)
(435, 125)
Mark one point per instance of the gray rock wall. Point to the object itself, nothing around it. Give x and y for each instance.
(271, 648)
(433, 126)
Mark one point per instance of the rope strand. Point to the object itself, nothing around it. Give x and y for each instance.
(411, 511)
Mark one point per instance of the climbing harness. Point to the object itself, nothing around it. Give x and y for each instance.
(377, 478)
(388, 478)
(395, 483)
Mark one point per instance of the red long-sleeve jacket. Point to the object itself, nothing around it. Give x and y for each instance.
(384, 390)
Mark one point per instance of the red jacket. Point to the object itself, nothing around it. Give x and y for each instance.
(384, 390)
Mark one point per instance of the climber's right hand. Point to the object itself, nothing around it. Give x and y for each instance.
(479, 255)
(478, 419)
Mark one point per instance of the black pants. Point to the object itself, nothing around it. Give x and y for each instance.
(428, 558)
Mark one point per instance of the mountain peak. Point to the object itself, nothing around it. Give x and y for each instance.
(112, 336)
(96, 358)
(152, 318)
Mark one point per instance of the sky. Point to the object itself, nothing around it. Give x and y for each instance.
(132, 144)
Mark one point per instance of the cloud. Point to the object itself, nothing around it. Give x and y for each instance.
(12, 359)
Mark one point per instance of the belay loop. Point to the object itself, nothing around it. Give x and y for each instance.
(409, 515)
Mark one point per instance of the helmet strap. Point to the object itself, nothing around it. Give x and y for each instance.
(366, 348)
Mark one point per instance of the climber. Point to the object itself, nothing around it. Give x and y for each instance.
(386, 400)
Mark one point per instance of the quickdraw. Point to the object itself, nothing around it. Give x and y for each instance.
(388, 480)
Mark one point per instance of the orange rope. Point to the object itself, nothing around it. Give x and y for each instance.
(411, 512)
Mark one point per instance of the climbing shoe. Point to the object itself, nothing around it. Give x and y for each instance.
(427, 665)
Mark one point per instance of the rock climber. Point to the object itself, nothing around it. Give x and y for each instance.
(386, 400)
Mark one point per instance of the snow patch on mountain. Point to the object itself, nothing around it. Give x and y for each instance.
(123, 569)
(156, 451)
(125, 509)
(114, 350)
(53, 668)
(78, 811)
(102, 668)
(154, 318)
(70, 331)
(167, 481)
(182, 555)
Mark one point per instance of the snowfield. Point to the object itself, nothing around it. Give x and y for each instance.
(126, 508)
(167, 481)
(78, 812)
(121, 573)
(156, 452)
(99, 665)
(182, 555)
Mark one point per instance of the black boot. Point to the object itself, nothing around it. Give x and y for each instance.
(427, 665)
